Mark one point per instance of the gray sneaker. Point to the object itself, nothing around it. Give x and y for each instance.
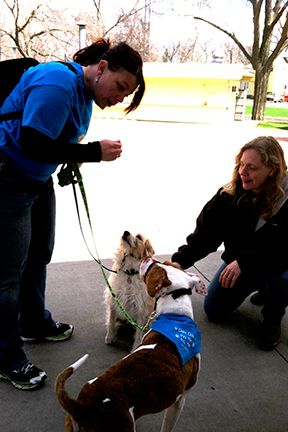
(26, 377)
(258, 298)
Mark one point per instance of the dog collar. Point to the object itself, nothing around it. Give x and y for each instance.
(131, 272)
(180, 292)
(175, 294)
(149, 268)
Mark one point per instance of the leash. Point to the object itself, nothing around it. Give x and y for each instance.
(199, 271)
(70, 173)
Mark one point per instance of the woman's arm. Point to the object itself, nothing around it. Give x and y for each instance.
(39, 147)
(208, 234)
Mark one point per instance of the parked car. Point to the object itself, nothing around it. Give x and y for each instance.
(270, 97)
(279, 99)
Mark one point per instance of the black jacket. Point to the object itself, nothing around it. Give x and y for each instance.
(255, 248)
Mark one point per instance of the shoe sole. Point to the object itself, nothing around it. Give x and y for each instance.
(60, 338)
(56, 338)
(21, 386)
(269, 347)
(257, 304)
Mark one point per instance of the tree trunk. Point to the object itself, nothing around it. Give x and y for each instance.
(260, 94)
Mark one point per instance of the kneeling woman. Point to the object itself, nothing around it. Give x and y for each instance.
(250, 216)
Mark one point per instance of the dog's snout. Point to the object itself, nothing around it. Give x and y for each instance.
(128, 238)
(125, 235)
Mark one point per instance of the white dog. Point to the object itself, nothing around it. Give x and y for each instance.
(128, 288)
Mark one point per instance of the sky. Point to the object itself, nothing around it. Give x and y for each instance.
(177, 25)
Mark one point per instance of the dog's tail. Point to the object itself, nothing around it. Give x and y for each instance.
(72, 406)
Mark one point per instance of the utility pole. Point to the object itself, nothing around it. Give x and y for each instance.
(82, 34)
(147, 17)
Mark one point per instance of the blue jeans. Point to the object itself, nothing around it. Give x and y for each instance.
(221, 302)
(27, 229)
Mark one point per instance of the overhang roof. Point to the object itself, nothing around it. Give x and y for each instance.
(194, 70)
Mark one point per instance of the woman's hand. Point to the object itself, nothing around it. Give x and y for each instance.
(230, 274)
(111, 150)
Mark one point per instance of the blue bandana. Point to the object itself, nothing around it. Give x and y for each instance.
(182, 331)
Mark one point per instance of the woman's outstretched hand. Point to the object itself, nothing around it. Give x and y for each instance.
(111, 150)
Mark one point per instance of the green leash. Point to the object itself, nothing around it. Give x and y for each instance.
(70, 173)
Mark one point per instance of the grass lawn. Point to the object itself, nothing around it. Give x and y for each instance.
(271, 111)
(270, 124)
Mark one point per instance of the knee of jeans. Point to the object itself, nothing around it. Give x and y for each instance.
(215, 312)
(8, 289)
(209, 309)
(284, 278)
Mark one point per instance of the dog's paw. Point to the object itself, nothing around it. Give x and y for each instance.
(110, 339)
(197, 284)
(200, 288)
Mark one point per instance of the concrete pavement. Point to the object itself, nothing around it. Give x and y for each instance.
(166, 174)
(239, 389)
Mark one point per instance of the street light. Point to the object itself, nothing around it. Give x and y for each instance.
(82, 34)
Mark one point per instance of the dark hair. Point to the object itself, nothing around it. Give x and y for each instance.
(118, 56)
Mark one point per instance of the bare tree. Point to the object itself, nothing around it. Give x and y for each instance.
(36, 32)
(270, 38)
(171, 52)
(98, 17)
(233, 54)
(134, 31)
(42, 33)
(188, 51)
(121, 17)
(131, 25)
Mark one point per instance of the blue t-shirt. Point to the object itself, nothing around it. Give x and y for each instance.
(52, 99)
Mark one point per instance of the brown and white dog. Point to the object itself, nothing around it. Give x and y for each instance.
(129, 289)
(150, 379)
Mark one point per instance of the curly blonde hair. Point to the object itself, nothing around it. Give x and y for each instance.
(272, 156)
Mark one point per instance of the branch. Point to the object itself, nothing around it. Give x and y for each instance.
(281, 44)
(231, 35)
(122, 17)
(29, 19)
(278, 13)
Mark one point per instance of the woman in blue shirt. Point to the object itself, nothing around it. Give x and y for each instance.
(56, 106)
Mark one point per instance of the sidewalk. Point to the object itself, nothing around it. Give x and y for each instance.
(166, 174)
(239, 389)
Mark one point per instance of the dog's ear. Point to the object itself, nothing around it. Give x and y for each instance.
(149, 248)
(156, 279)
